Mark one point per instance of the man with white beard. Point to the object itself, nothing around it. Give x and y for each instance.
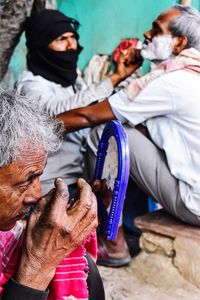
(159, 49)
(165, 160)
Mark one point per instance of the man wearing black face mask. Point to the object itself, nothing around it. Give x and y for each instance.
(53, 51)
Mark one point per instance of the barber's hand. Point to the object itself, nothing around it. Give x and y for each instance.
(53, 232)
(128, 62)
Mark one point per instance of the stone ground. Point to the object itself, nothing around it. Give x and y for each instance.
(146, 279)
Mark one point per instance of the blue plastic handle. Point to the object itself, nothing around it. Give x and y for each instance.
(110, 221)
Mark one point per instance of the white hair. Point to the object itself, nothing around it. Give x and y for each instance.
(22, 121)
(187, 24)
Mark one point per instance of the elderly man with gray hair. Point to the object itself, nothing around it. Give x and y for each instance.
(55, 230)
(165, 163)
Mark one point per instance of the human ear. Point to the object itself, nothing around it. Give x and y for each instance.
(180, 43)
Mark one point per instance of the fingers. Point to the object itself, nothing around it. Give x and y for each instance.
(104, 185)
(89, 217)
(53, 231)
(81, 183)
(84, 234)
(85, 202)
(38, 210)
(53, 206)
(58, 203)
(45, 201)
(86, 225)
(100, 185)
(105, 193)
(85, 194)
(96, 186)
(130, 56)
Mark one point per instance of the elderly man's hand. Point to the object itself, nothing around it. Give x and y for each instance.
(53, 232)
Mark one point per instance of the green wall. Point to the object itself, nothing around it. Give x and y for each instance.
(103, 24)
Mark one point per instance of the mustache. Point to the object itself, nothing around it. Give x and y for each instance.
(146, 41)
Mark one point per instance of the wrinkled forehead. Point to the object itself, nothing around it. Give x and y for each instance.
(28, 161)
(167, 17)
(29, 153)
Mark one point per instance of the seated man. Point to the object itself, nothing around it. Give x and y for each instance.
(164, 163)
(52, 79)
(54, 230)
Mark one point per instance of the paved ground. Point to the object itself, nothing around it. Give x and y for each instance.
(141, 281)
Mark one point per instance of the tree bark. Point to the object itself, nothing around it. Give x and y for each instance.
(13, 13)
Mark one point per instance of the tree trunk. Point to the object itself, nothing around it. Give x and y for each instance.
(12, 16)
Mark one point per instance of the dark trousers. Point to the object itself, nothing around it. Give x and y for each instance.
(94, 281)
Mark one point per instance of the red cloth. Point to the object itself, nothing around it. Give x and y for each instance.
(125, 44)
(71, 274)
(70, 277)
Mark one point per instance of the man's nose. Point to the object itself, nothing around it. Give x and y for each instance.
(148, 35)
(70, 44)
(34, 193)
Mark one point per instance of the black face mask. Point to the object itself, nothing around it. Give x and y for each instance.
(57, 66)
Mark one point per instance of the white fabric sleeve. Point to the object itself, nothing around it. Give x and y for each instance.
(56, 100)
(154, 100)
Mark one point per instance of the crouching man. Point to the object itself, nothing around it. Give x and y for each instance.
(54, 231)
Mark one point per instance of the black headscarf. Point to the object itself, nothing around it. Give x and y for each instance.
(41, 29)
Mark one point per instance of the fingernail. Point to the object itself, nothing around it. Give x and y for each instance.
(81, 179)
(59, 180)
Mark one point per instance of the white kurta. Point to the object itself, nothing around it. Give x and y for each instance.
(68, 162)
(170, 108)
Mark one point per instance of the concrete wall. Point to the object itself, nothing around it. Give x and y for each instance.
(103, 24)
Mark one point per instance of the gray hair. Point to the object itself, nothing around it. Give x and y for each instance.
(187, 24)
(22, 121)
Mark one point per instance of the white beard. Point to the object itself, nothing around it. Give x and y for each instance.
(160, 48)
